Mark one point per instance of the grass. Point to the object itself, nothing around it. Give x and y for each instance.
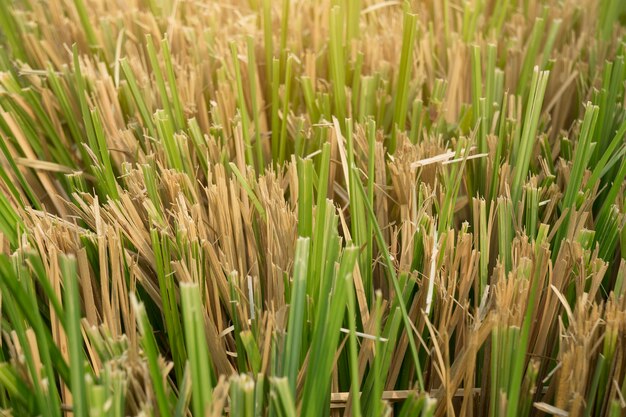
(294, 208)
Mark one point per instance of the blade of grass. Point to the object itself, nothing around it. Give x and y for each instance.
(152, 355)
(392, 274)
(74, 336)
(409, 30)
(195, 339)
(293, 342)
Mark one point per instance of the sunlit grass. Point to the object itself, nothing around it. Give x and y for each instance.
(299, 208)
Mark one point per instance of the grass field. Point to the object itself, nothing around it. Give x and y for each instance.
(312, 208)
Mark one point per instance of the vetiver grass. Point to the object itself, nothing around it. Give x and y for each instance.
(301, 208)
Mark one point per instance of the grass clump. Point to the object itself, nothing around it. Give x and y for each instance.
(346, 208)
